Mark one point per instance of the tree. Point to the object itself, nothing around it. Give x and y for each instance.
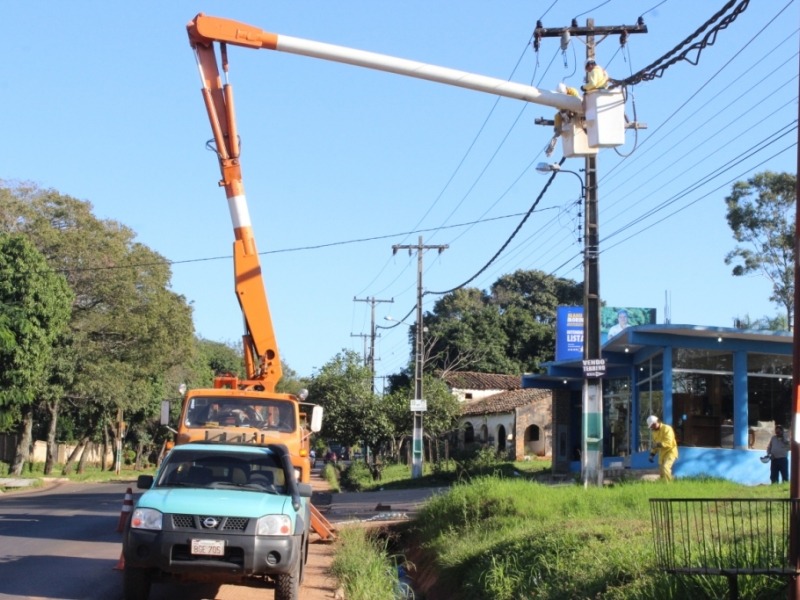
(509, 330)
(343, 386)
(127, 329)
(761, 215)
(34, 311)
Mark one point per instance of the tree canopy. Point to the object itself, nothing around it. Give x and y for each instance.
(509, 330)
(34, 311)
(761, 215)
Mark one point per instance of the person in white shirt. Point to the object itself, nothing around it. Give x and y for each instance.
(622, 323)
(778, 451)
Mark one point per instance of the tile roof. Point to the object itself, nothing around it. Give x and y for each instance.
(505, 401)
(469, 380)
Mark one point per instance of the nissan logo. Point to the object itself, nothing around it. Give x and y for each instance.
(210, 522)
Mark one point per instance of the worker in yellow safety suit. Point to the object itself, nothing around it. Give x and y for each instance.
(596, 77)
(558, 120)
(665, 445)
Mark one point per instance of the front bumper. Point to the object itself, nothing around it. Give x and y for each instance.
(246, 555)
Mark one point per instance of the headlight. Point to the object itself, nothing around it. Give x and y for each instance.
(274, 525)
(146, 518)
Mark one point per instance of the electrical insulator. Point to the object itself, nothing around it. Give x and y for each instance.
(565, 38)
(623, 37)
(537, 35)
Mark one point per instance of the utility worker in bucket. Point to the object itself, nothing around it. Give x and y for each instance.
(596, 77)
(665, 445)
(560, 117)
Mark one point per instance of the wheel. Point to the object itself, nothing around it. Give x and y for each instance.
(405, 591)
(136, 583)
(287, 585)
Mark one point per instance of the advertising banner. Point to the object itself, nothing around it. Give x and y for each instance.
(569, 333)
(613, 319)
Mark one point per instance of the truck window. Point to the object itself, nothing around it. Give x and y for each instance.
(200, 469)
(257, 413)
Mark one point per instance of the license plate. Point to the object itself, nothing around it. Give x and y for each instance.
(208, 547)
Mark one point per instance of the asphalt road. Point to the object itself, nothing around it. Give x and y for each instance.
(61, 542)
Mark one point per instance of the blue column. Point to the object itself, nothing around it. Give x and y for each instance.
(667, 408)
(740, 414)
(635, 409)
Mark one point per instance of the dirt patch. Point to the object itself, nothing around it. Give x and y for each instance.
(318, 583)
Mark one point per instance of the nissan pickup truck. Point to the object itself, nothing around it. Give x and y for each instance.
(221, 513)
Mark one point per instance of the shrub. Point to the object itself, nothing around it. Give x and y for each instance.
(356, 476)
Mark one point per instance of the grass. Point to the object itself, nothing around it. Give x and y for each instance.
(331, 475)
(502, 534)
(358, 477)
(362, 565)
(502, 539)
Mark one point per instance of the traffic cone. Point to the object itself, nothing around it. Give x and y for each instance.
(127, 506)
(120, 566)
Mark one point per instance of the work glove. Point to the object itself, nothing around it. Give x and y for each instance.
(652, 457)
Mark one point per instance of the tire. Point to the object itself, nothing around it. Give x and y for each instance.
(287, 585)
(136, 583)
(304, 559)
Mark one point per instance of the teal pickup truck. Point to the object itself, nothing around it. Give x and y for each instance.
(222, 513)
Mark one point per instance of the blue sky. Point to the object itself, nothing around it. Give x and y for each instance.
(101, 101)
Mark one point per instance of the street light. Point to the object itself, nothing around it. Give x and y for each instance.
(593, 365)
(547, 168)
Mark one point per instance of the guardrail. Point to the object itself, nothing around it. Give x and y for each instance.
(727, 537)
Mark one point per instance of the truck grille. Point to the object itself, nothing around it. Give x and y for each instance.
(200, 522)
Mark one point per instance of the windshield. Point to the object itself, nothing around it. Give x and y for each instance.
(197, 468)
(241, 412)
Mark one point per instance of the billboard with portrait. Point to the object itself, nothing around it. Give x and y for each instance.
(613, 319)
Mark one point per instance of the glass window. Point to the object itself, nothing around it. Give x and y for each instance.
(616, 417)
(702, 360)
(651, 402)
(217, 411)
(769, 399)
(773, 364)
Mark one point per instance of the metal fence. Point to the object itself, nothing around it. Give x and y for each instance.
(728, 537)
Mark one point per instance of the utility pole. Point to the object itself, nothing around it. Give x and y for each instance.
(369, 359)
(365, 337)
(418, 405)
(794, 478)
(592, 393)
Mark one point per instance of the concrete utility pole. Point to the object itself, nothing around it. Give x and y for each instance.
(794, 472)
(369, 359)
(418, 405)
(592, 403)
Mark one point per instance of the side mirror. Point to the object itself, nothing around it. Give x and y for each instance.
(305, 490)
(144, 482)
(165, 412)
(316, 419)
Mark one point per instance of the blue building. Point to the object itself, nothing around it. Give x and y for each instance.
(722, 389)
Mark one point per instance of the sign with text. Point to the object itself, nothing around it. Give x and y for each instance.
(569, 332)
(419, 405)
(594, 367)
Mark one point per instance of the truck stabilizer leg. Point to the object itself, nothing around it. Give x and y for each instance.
(321, 525)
